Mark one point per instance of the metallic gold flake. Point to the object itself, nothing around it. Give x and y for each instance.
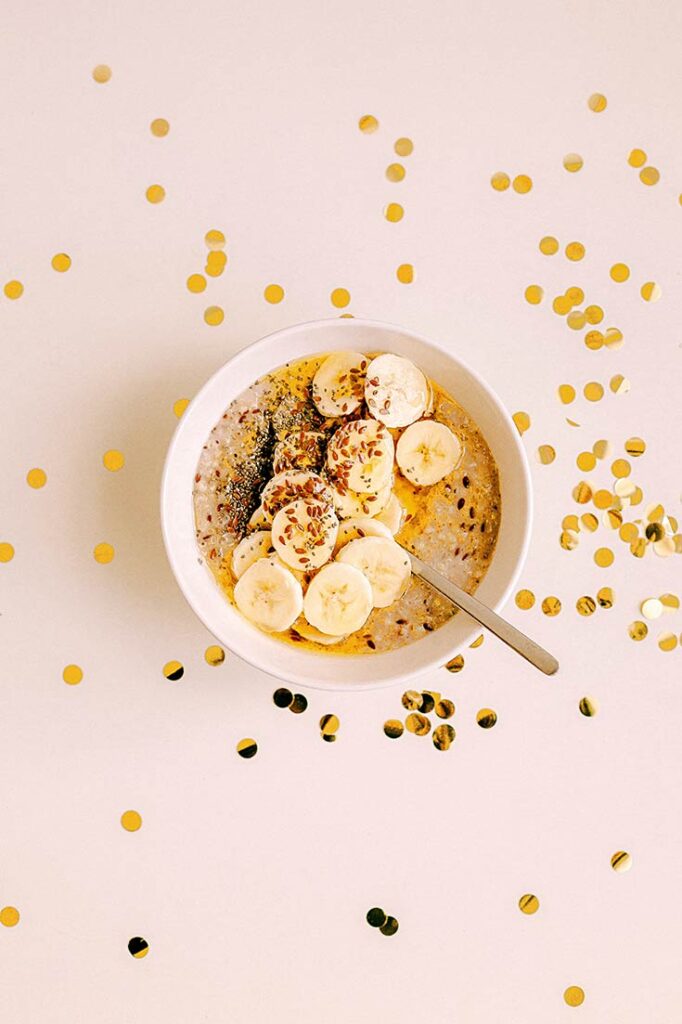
(101, 73)
(654, 532)
(582, 493)
(61, 262)
(522, 184)
(638, 547)
(173, 670)
(298, 704)
(131, 821)
(500, 181)
(551, 606)
(368, 124)
(443, 736)
(605, 597)
(522, 421)
(575, 251)
(395, 172)
(649, 176)
(273, 293)
(138, 947)
(655, 513)
(588, 707)
(412, 700)
(573, 162)
(159, 127)
(486, 718)
(597, 102)
(586, 461)
(215, 263)
(569, 540)
(601, 448)
(418, 724)
(566, 393)
(455, 664)
(375, 917)
(603, 499)
(9, 917)
(621, 468)
(594, 314)
(533, 294)
(478, 641)
(594, 340)
(593, 391)
(393, 212)
(585, 605)
(635, 446)
(214, 239)
(403, 146)
(603, 557)
(589, 521)
(572, 423)
(390, 926)
(196, 283)
(155, 194)
(214, 655)
(561, 305)
(670, 602)
(575, 294)
(650, 291)
(621, 861)
(637, 158)
(247, 747)
(638, 630)
(13, 289)
(329, 724)
(529, 904)
(445, 708)
(214, 315)
(103, 553)
(623, 488)
(340, 297)
(570, 522)
(72, 675)
(652, 608)
(179, 406)
(6, 551)
(405, 273)
(612, 518)
(574, 995)
(393, 728)
(427, 702)
(525, 599)
(548, 245)
(619, 272)
(576, 320)
(36, 478)
(667, 641)
(546, 454)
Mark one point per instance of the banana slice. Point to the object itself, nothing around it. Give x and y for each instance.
(359, 526)
(304, 533)
(268, 595)
(383, 562)
(259, 520)
(360, 454)
(338, 600)
(302, 449)
(396, 391)
(338, 386)
(353, 503)
(426, 452)
(250, 549)
(392, 515)
(287, 487)
(309, 632)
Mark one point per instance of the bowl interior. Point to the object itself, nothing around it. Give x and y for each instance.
(198, 584)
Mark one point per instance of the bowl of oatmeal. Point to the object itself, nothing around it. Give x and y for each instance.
(302, 472)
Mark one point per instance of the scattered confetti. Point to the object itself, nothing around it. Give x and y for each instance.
(159, 127)
(247, 748)
(529, 904)
(214, 315)
(101, 73)
(72, 675)
(522, 184)
(393, 212)
(575, 251)
(597, 102)
(525, 599)
(155, 194)
(573, 162)
(61, 262)
(214, 655)
(621, 861)
(548, 245)
(574, 995)
(403, 146)
(588, 707)
(138, 947)
(395, 172)
(131, 821)
(500, 181)
(173, 670)
(405, 273)
(368, 124)
(486, 718)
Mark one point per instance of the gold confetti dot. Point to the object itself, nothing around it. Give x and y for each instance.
(546, 454)
(620, 468)
(605, 597)
(612, 519)
(393, 212)
(529, 904)
(196, 283)
(72, 674)
(548, 245)
(14, 289)
(61, 262)
(551, 606)
(585, 605)
(533, 294)
(561, 305)
(214, 315)
(393, 728)
(155, 194)
(582, 493)
(522, 421)
(215, 263)
(637, 158)
(214, 655)
(566, 393)
(445, 708)
(403, 146)
(576, 320)
(574, 995)
(500, 181)
(575, 294)
(6, 551)
(368, 124)
(619, 272)
(247, 748)
(113, 460)
(405, 273)
(395, 172)
(638, 630)
(603, 498)
(594, 314)
(573, 162)
(443, 736)
(652, 608)
(619, 384)
(570, 522)
(486, 718)
(174, 670)
(273, 293)
(575, 251)
(455, 664)
(418, 724)
(635, 447)
(593, 391)
(101, 73)
(525, 599)
(601, 448)
(214, 239)
(589, 521)
(522, 184)
(477, 642)
(340, 297)
(650, 291)
(131, 821)
(594, 340)
(36, 478)
(329, 724)
(411, 700)
(621, 861)
(667, 641)
(569, 540)
(613, 338)
(649, 176)
(597, 102)
(588, 707)
(138, 947)
(638, 547)
(603, 557)
(670, 602)
(9, 917)
(586, 461)
(159, 127)
(103, 553)
(179, 406)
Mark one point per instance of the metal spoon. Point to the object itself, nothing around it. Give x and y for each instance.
(509, 634)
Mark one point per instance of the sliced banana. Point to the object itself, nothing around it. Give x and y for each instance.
(359, 526)
(304, 533)
(302, 449)
(352, 503)
(309, 632)
(383, 562)
(269, 595)
(259, 520)
(396, 391)
(426, 452)
(338, 600)
(392, 515)
(338, 386)
(284, 488)
(250, 549)
(361, 455)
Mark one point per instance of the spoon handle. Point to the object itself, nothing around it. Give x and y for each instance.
(509, 634)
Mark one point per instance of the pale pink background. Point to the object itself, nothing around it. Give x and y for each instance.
(250, 879)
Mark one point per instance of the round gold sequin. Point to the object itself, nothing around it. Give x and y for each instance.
(575, 294)
(214, 655)
(649, 175)
(417, 724)
(393, 212)
(620, 468)
(603, 557)
(561, 305)
(486, 718)
(650, 291)
(340, 297)
(597, 102)
(215, 263)
(36, 478)
(621, 861)
(14, 289)
(582, 493)
(573, 162)
(619, 384)
(390, 926)
(635, 446)
(576, 320)
(574, 995)
(586, 461)
(101, 73)
(601, 448)
(9, 917)
(637, 158)
(179, 406)
(131, 821)
(525, 599)
(612, 518)
(329, 725)
(455, 664)
(445, 708)
(273, 293)
(395, 172)
(6, 551)
(299, 704)
(61, 262)
(594, 340)
(214, 239)
(247, 747)
(403, 146)
(551, 606)
(529, 904)
(635, 496)
(196, 283)
(522, 421)
(522, 184)
(214, 315)
(428, 701)
(376, 917)
(638, 630)
(173, 670)
(667, 641)
(566, 393)
(652, 608)
(570, 522)
(368, 124)
(569, 540)
(585, 605)
(159, 127)
(500, 181)
(405, 273)
(589, 521)
(593, 391)
(533, 294)
(575, 251)
(638, 547)
(138, 947)
(393, 728)
(671, 602)
(411, 700)
(613, 338)
(619, 272)
(72, 675)
(546, 454)
(548, 245)
(155, 194)
(103, 553)
(588, 707)
(113, 460)
(594, 314)
(443, 736)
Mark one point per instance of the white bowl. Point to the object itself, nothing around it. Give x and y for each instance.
(325, 670)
